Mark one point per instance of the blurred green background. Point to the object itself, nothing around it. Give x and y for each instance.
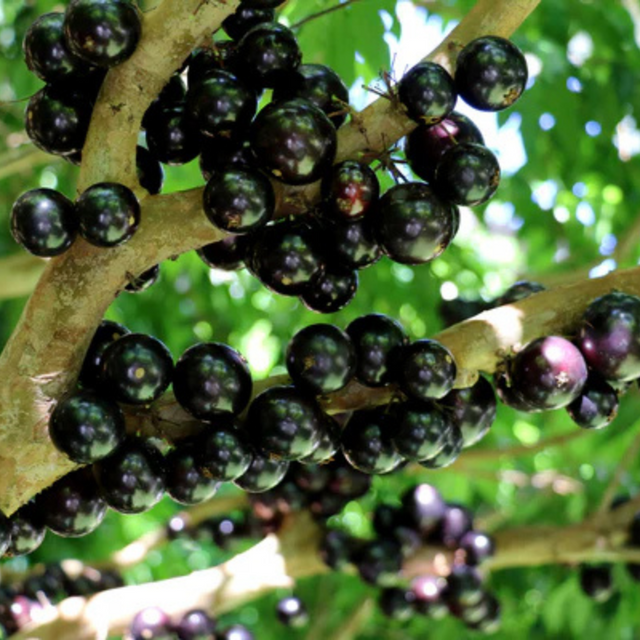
(567, 207)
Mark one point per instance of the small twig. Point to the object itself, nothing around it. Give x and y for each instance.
(324, 12)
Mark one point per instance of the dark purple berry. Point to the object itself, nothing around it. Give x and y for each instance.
(464, 586)
(490, 621)
(106, 333)
(149, 170)
(86, 427)
(331, 291)
(367, 441)
(491, 73)
(173, 94)
(195, 625)
(597, 581)
(472, 410)
(44, 222)
(610, 336)
(284, 423)
(212, 379)
(509, 395)
(477, 546)
(235, 632)
(456, 522)
(425, 370)
(379, 562)
(413, 224)
(468, 174)
(204, 60)
(172, 136)
(132, 478)
(549, 373)
(346, 481)
(72, 506)
(425, 145)
(292, 612)
(429, 592)
(222, 452)
(221, 104)
(26, 530)
(108, 213)
(596, 406)
(397, 603)
(336, 549)
(239, 200)
(519, 291)
(376, 338)
(329, 442)
(320, 359)
(264, 473)
(349, 191)
(245, 18)
(142, 282)
(186, 482)
(294, 141)
(151, 624)
(319, 84)
(421, 430)
(353, 245)
(427, 93)
(137, 369)
(424, 507)
(449, 453)
(46, 52)
(227, 254)
(267, 54)
(221, 154)
(102, 32)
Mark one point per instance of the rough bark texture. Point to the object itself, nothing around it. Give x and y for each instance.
(41, 360)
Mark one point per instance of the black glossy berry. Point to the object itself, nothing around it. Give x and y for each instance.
(597, 581)
(413, 224)
(284, 423)
(420, 430)
(424, 507)
(132, 478)
(490, 622)
(267, 53)
(549, 373)
(319, 84)
(212, 379)
(519, 291)
(102, 32)
(285, 257)
(221, 104)
(320, 359)
(46, 52)
(379, 562)
(239, 200)
(329, 442)
(491, 73)
(425, 145)
(464, 586)
(223, 452)
(477, 546)
(428, 591)
(172, 136)
(44, 222)
(346, 481)
(57, 119)
(425, 370)
(195, 625)
(151, 623)
(137, 369)
(596, 406)
(227, 254)
(292, 612)
(367, 441)
(294, 141)
(204, 60)
(468, 174)
(449, 453)
(375, 337)
(235, 632)
(221, 154)
(173, 94)
(245, 18)
(72, 507)
(140, 283)
(336, 549)
(456, 522)
(186, 483)
(349, 191)
(106, 333)
(26, 530)
(472, 410)
(610, 336)
(397, 603)
(353, 244)
(86, 427)
(149, 170)
(331, 291)
(264, 473)
(427, 93)
(509, 394)
(108, 213)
